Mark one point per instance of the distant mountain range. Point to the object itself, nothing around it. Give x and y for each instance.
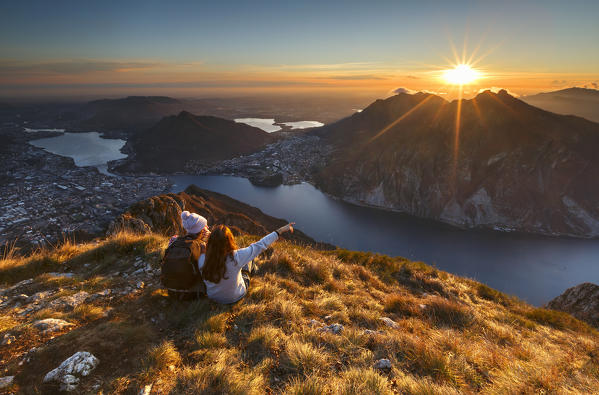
(130, 113)
(572, 101)
(135, 113)
(177, 139)
(514, 166)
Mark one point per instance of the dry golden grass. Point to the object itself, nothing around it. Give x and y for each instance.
(453, 336)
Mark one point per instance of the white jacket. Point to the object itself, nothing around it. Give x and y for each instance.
(232, 288)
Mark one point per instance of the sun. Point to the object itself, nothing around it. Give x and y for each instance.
(461, 74)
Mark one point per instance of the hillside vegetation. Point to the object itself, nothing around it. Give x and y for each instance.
(443, 334)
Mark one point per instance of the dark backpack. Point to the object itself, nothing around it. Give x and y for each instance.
(180, 264)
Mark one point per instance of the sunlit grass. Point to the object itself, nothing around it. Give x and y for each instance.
(452, 335)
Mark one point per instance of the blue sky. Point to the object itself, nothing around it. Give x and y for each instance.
(43, 42)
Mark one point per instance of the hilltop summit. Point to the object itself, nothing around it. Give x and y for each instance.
(509, 166)
(92, 318)
(177, 139)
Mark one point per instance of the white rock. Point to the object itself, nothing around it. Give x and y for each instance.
(19, 285)
(70, 370)
(382, 364)
(333, 328)
(371, 332)
(146, 390)
(50, 325)
(389, 322)
(98, 295)
(6, 381)
(69, 302)
(8, 339)
(39, 296)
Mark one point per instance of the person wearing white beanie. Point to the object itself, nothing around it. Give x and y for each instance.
(192, 222)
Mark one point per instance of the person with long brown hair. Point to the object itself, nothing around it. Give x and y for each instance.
(226, 268)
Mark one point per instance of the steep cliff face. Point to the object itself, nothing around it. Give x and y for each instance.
(582, 301)
(509, 166)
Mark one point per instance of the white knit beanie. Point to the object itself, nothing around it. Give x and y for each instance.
(192, 222)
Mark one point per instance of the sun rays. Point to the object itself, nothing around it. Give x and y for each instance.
(461, 74)
(458, 78)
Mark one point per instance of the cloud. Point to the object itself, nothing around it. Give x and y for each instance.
(433, 92)
(327, 66)
(495, 89)
(354, 77)
(412, 77)
(173, 85)
(404, 90)
(559, 82)
(412, 91)
(70, 66)
(595, 85)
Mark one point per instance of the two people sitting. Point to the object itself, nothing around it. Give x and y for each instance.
(209, 262)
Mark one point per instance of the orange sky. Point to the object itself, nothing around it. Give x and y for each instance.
(228, 48)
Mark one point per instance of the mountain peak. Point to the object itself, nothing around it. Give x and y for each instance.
(185, 114)
(492, 92)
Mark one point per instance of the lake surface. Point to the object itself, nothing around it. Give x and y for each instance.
(266, 124)
(87, 149)
(269, 125)
(303, 124)
(534, 268)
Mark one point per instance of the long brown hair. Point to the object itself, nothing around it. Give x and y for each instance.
(221, 244)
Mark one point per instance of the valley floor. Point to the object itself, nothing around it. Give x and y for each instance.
(313, 322)
(45, 197)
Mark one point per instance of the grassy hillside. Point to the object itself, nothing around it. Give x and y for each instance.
(450, 334)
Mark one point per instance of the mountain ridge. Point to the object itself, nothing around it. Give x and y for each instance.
(400, 153)
(582, 102)
(177, 139)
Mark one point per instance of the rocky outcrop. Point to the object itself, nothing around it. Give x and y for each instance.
(509, 166)
(69, 373)
(162, 214)
(582, 301)
(49, 325)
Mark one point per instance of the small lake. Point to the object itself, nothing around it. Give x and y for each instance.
(533, 268)
(303, 124)
(87, 149)
(269, 125)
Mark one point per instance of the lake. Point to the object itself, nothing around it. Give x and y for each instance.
(87, 149)
(534, 268)
(269, 125)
